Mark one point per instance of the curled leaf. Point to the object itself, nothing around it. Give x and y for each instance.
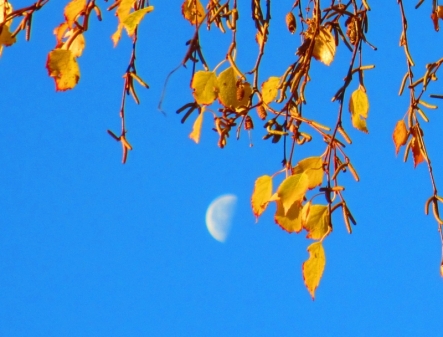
(324, 48)
(261, 194)
(359, 107)
(196, 129)
(400, 135)
(313, 267)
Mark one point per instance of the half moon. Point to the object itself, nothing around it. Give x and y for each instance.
(219, 216)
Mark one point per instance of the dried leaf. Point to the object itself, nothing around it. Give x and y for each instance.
(193, 11)
(63, 67)
(261, 195)
(205, 87)
(317, 222)
(291, 221)
(292, 190)
(324, 47)
(132, 21)
(400, 135)
(313, 168)
(416, 152)
(359, 107)
(72, 10)
(196, 129)
(313, 267)
(269, 89)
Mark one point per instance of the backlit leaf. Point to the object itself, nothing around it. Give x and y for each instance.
(269, 89)
(193, 11)
(205, 87)
(132, 21)
(261, 194)
(359, 107)
(60, 32)
(324, 47)
(417, 155)
(317, 222)
(6, 38)
(196, 129)
(123, 10)
(400, 135)
(247, 94)
(313, 168)
(77, 45)
(313, 267)
(228, 88)
(73, 9)
(292, 189)
(63, 67)
(291, 222)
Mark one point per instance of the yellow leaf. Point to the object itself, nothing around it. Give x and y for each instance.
(76, 46)
(123, 10)
(292, 189)
(313, 168)
(269, 89)
(193, 11)
(73, 9)
(228, 88)
(6, 38)
(291, 222)
(324, 47)
(317, 222)
(313, 267)
(205, 87)
(400, 135)
(63, 67)
(196, 129)
(247, 94)
(359, 107)
(261, 195)
(60, 32)
(132, 21)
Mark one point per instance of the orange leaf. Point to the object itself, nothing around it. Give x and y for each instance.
(313, 267)
(416, 152)
(400, 135)
(193, 11)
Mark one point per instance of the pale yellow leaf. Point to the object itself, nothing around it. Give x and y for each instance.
(269, 89)
(193, 11)
(313, 168)
(313, 267)
(196, 129)
(292, 189)
(205, 87)
(317, 222)
(291, 221)
(72, 10)
(359, 108)
(324, 47)
(63, 67)
(261, 194)
(132, 21)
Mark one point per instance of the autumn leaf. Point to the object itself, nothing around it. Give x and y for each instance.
(205, 87)
(291, 221)
(417, 154)
(72, 10)
(269, 89)
(6, 38)
(193, 11)
(324, 47)
(292, 190)
(313, 267)
(317, 222)
(313, 168)
(63, 67)
(400, 135)
(123, 10)
(246, 95)
(132, 21)
(196, 129)
(228, 88)
(261, 195)
(359, 107)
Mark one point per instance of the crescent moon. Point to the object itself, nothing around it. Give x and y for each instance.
(219, 216)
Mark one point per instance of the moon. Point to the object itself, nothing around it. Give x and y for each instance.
(219, 216)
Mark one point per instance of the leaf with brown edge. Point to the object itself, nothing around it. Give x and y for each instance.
(193, 11)
(317, 222)
(205, 87)
(313, 168)
(261, 195)
(72, 10)
(359, 107)
(292, 189)
(63, 67)
(291, 221)
(400, 135)
(196, 129)
(132, 21)
(324, 47)
(313, 267)
(269, 89)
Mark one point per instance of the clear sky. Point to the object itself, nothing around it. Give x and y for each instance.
(91, 247)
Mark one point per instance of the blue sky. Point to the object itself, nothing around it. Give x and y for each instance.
(91, 247)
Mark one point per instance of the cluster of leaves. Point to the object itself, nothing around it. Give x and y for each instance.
(308, 191)
(233, 97)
